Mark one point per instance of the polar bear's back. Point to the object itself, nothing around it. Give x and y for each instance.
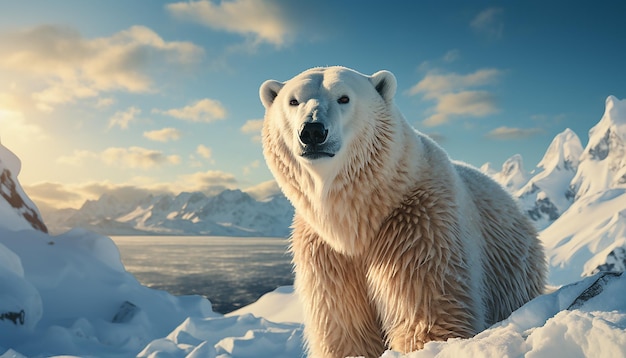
(514, 265)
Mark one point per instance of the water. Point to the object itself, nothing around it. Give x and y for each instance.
(230, 271)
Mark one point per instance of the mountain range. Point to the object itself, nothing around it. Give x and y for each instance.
(577, 197)
(230, 213)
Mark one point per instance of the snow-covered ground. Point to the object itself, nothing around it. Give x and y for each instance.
(70, 295)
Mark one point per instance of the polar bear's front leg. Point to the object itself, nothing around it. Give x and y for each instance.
(418, 276)
(339, 318)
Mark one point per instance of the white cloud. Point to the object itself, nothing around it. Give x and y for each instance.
(435, 83)
(123, 118)
(260, 20)
(263, 190)
(210, 182)
(55, 195)
(204, 151)
(454, 97)
(66, 66)
(163, 135)
(253, 126)
(132, 157)
(466, 103)
(205, 110)
(489, 23)
(137, 157)
(507, 133)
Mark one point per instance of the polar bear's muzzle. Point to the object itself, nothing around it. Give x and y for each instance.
(314, 141)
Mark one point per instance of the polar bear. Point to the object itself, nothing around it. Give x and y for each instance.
(394, 244)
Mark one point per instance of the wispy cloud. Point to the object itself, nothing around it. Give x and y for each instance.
(259, 20)
(65, 66)
(436, 83)
(205, 110)
(253, 127)
(137, 157)
(209, 182)
(454, 95)
(263, 190)
(132, 157)
(123, 118)
(163, 135)
(489, 23)
(451, 56)
(204, 151)
(508, 133)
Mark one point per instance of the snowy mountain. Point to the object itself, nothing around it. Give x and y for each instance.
(230, 213)
(16, 209)
(512, 176)
(592, 232)
(547, 194)
(577, 198)
(603, 163)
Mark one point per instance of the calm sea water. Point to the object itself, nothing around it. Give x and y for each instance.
(230, 271)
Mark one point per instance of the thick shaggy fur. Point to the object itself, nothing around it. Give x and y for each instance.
(394, 244)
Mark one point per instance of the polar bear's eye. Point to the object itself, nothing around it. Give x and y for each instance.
(343, 99)
(294, 102)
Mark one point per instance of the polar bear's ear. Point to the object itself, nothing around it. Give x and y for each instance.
(268, 92)
(385, 84)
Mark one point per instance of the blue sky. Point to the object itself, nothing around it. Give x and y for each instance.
(162, 96)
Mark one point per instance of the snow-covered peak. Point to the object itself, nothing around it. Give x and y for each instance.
(17, 211)
(603, 162)
(547, 194)
(488, 169)
(563, 153)
(512, 176)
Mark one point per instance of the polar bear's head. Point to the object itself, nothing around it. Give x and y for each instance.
(325, 119)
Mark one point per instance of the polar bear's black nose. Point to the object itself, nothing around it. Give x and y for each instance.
(313, 133)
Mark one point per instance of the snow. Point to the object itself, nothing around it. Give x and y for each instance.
(545, 327)
(512, 176)
(70, 295)
(546, 195)
(604, 159)
(282, 305)
(582, 237)
(14, 215)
